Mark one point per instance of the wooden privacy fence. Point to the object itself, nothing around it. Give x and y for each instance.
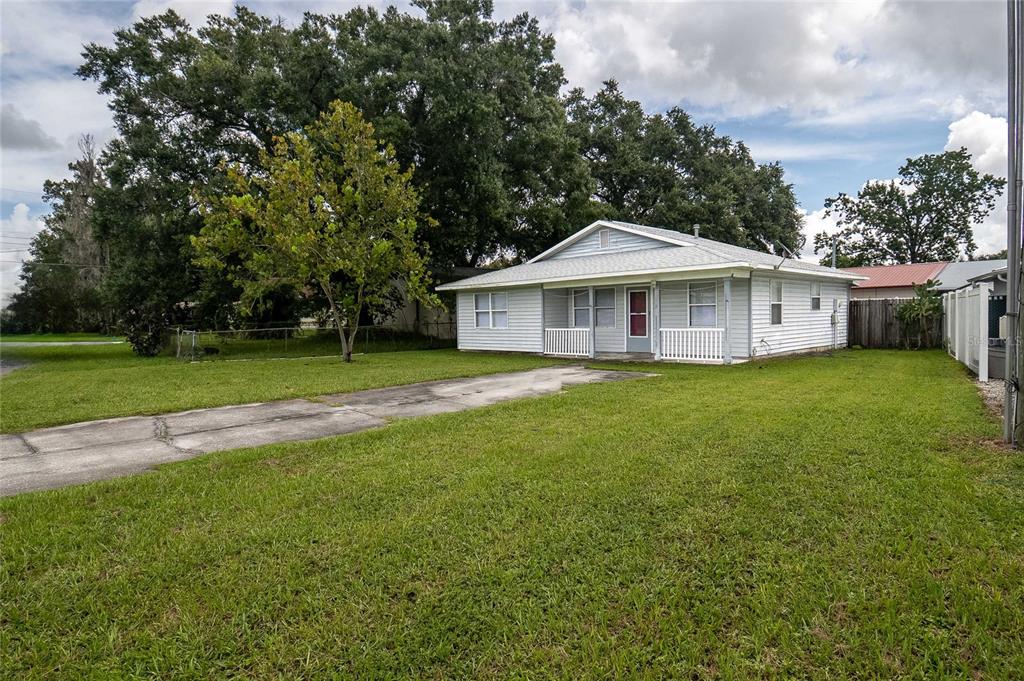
(874, 324)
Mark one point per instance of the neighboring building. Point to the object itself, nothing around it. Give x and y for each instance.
(897, 281)
(956, 275)
(893, 281)
(616, 289)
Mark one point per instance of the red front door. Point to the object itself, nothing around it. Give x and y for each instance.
(638, 321)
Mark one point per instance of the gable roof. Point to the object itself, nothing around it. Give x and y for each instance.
(896, 276)
(959, 274)
(664, 235)
(685, 253)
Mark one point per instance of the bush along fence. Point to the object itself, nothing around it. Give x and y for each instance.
(195, 345)
(968, 331)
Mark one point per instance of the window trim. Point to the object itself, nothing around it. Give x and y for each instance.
(490, 310)
(597, 307)
(573, 308)
(690, 304)
(816, 297)
(773, 303)
(604, 238)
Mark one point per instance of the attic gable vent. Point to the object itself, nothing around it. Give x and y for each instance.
(604, 235)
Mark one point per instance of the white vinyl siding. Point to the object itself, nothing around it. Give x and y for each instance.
(802, 328)
(739, 322)
(618, 242)
(524, 332)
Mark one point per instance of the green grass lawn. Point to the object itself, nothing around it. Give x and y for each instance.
(55, 337)
(829, 517)
(69, 384)
(306, 343)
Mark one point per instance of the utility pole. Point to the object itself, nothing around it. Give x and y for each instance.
(1013, 418)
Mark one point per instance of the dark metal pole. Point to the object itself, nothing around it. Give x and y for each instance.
(1013, 234)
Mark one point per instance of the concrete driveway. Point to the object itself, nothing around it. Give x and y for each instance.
(97, 450)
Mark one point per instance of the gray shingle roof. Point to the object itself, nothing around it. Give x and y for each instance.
(699, 253)
(957, 274)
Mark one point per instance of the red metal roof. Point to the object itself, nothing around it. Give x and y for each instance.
(886, 276)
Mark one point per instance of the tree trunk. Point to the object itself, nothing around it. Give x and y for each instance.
(354, 329)
(346, 350)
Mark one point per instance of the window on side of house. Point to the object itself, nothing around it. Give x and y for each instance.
(581, 307)
(490, 310)
(604, 236)
(775, 296)
(604, 308)
(703, 304)
(815, 295)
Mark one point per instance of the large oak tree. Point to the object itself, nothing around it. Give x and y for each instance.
(665, 170)
(925, 215)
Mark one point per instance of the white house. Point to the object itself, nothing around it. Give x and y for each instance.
(616, 289)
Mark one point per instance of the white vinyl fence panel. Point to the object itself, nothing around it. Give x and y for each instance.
(966, 326)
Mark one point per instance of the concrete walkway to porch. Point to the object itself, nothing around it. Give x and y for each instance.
(98, 450)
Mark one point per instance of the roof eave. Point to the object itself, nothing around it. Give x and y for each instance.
(467, 284)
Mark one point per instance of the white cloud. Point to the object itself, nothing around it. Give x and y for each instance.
(984, 136)
(193, 11)
(824, 63)
(814, 223)
(15, 231)
(768, 151)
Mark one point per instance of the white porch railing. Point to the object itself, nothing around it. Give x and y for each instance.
(694, 344)
(567, 342)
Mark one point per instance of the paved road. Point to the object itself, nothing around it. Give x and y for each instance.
(97, 450)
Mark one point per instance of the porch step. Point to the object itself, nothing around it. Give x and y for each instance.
(626, 356)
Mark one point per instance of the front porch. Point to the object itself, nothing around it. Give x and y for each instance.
(678, 321)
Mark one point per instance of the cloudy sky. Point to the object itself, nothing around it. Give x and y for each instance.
(840, 93)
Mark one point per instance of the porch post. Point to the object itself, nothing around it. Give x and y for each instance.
(726, 344)
(543, 319)
(593, 323)
(656, 320)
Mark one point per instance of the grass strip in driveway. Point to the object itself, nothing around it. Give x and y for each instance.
(828, 517)
(71, 384)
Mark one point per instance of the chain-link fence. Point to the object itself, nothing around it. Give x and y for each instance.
(194, 345)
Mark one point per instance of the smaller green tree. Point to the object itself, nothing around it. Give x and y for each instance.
(327, 208)
(918, 315)
(926, 215)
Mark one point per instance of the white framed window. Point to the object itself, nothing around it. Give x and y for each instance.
(604, 308)
(604, 236)
(581, 307)
(815, 295)
(490, 310)
(775, 299)
(703, 304)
